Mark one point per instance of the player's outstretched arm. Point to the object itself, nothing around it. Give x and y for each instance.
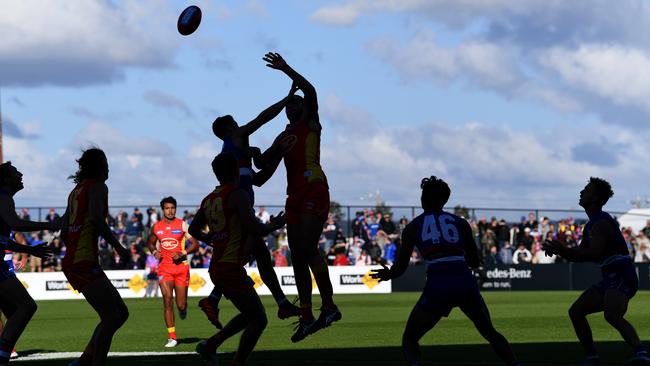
(600, 233)
(97, 201)
(41, 250)
(266, 172)
(402, 258)
(275, 61)
(271, 157)
(9, 216)
(267, 115)
(239, 202)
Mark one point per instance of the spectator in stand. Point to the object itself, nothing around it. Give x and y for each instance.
(522, 255)
(52, 216)
(152, 216)
(281, 256)
(532, 221)
(198, 257)
(373, 227)
(403, 221)
(388, 226)
(330, 229)
(502, 233)
(483, 226)
(527, 238)
(389, 252)
(24, 214)
(263, 215)
(134, 228)
(539, 255)
(151, 273)
(505, 254)
(36, 263)
(363, 259)
(488, 241)
(545, 226)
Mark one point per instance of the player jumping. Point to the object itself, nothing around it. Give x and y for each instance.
(227, 213)
(235, 141)
(308, 198)
(83, 223)
(15, 303)
(173, 272)
(447, 246)
(603, 243)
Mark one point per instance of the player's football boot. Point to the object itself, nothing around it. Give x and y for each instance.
(287, 310)
(209, 357)
(171, 343)
(327, 317)
(14, 354)
(303, 329)
(182, 314)
(211, 312)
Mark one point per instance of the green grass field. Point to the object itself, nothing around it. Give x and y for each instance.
(369, 333)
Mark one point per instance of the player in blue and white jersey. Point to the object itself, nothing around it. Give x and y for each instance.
(447, 246)
(602, 243)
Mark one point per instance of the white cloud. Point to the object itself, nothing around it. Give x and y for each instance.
(72, 42)
(614, 73)
(483, 64)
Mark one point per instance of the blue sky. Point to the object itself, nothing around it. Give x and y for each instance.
(514, 103)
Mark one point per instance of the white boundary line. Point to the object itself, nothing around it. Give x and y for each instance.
(73, 355)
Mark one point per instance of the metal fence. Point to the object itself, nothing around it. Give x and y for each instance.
(348, 213)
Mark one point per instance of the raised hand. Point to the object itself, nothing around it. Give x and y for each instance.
(381, 274)
(274, 61)
(279, 220)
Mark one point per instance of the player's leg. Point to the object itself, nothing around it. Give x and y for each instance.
(181, 300)
(589, 302)
(615, 306)
(19, 308)
(258, 248)
(478, 313)
(210, 307)
(312, 226)
(167, 290)
(181, 283)
(417, 325)
(250, 306)
(299, 261)
(113, 313)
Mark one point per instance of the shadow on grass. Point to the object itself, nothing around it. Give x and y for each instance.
(189, 340)
(561, 353)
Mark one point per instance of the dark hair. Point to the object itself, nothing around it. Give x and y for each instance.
(435, 193)
(602, 188)
(5, 169)
(218, 123)
(91, 165)
(169, 199)
(225, 167)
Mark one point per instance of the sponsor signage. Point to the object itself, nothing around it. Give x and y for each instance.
(133, 283)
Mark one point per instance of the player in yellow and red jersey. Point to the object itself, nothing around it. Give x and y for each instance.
(227, 214)
(83, 223)
(308, 198)
(173, 271)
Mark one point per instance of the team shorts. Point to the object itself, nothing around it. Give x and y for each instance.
(314, 198)
(6, 271)
(81, 274)
(621, 276)
(450, 285)
(231, 279)
(179, 273)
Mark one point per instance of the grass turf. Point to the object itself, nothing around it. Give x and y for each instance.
(536, 323)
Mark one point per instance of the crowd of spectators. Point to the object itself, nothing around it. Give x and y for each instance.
(372, 238)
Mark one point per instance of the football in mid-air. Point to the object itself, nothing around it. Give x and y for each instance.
(189, 20)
